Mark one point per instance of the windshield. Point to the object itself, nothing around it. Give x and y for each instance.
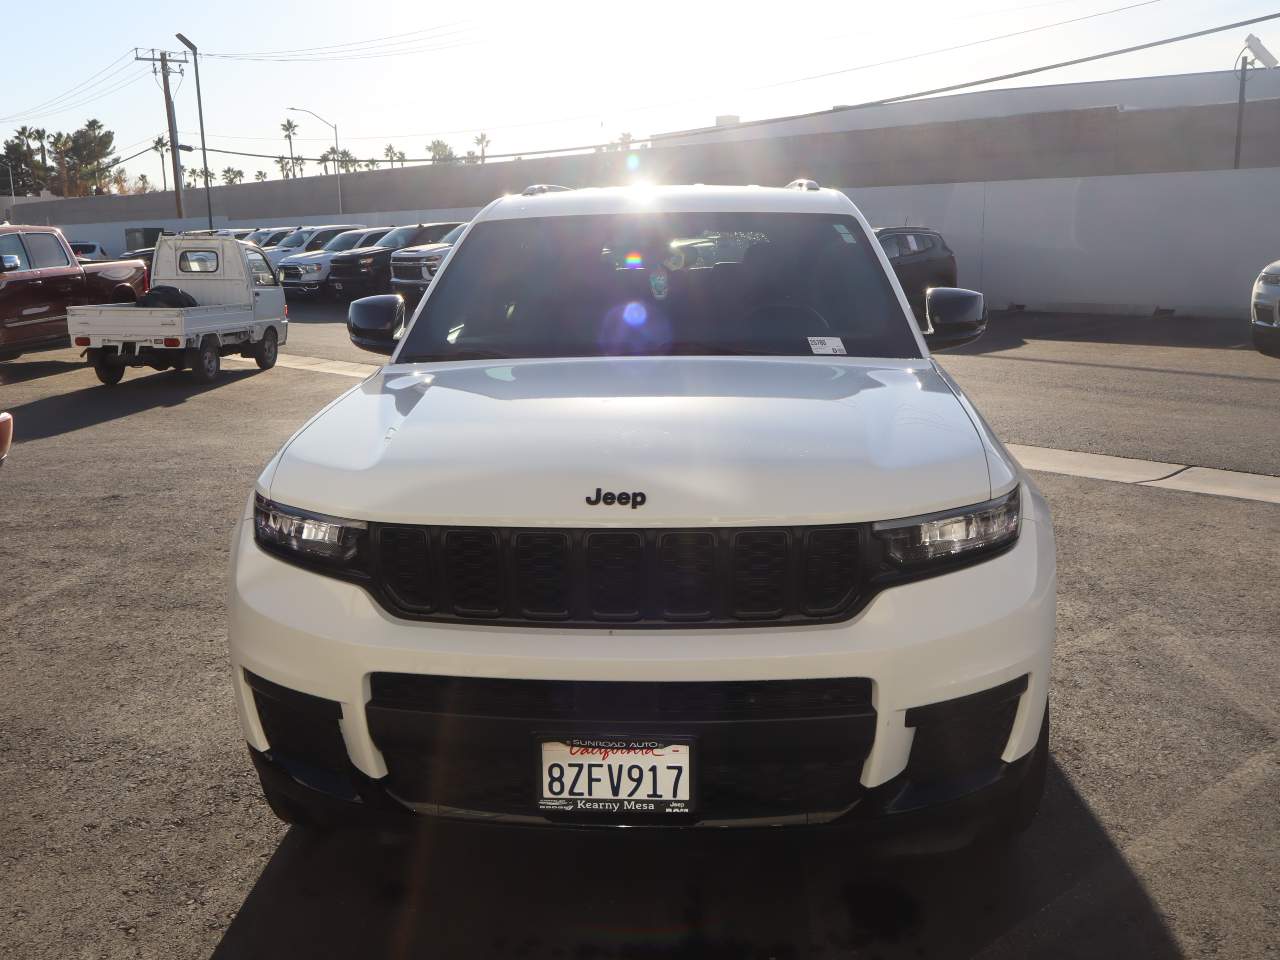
(452, 236)
(401, 237)
(345, 241)
(296, 239)
(708, 283)
(372, 238)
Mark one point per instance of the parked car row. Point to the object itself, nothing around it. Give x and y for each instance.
(41, 277)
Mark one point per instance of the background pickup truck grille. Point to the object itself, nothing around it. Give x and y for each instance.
(725, 576)
(290, 273)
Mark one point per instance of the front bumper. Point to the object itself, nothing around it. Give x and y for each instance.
(954, 668)
(1264, 316)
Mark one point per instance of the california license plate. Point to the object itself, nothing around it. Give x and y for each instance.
(616, 775)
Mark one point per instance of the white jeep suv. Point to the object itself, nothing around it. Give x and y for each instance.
(659, 514)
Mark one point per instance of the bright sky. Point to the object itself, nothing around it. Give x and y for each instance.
(537, 76)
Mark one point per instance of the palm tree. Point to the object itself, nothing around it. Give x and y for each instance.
(161, 146)
(441, 152)
(289, 129)
(298, 165)
(232, 176)
(284, 164)
(482, 141)
(41, 137)
(327, 158)
(389, 151)
(400, 155)
(260, 176)
(60, 144)
(371, 164)
(143, 184)
(347, 161)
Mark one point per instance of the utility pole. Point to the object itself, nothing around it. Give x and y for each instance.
(1244, 76)
(195, 58)
(170, 116)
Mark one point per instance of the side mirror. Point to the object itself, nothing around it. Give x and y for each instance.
(954, 317)
(376, 323)
(9, 262)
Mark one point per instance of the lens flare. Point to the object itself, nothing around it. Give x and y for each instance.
(633, 162)
(634, 314)
(634, 260)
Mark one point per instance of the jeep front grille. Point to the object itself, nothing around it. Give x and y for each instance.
(718, 576)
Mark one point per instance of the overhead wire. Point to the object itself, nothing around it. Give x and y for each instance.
(869, 103)
(71, 92)
(333, 46)
(669, 103)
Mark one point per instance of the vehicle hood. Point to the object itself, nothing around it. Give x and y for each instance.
(359, 252)
(422, 250)
(708, 440)
(312, 257)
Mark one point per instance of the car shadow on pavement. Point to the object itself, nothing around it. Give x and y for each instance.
(1008, 330)
(12, 372)
(67, 412)
(1064, 890)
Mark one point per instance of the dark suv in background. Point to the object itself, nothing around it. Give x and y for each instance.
(921, 259)
(368, 271)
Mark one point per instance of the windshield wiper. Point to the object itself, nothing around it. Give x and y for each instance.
(457, 355)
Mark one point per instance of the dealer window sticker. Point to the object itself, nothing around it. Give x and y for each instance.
(828, 345)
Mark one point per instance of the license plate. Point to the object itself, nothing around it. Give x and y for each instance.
(616, 775)
(337, 286)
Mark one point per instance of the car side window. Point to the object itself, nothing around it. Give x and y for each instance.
(891, 248)
(11, 246)
(321, 238)
(45, 250)
(263, 275)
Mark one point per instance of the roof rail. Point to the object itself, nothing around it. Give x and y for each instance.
(804, 185)
(540, 188)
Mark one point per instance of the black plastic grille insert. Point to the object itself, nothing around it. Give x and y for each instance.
(716, 576)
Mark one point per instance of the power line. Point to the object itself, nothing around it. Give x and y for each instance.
(958, 46)
(76, 105)
(333, 46)
(357, 55)
(71, 92)
(653, 106)
(870, 103)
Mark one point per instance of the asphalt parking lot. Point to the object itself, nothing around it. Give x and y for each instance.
(131, 823)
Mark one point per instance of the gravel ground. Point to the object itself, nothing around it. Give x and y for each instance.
(131, 823)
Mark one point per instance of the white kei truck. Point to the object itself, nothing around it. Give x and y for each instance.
(210, 297)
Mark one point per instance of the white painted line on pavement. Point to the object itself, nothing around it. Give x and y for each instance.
(341, 368)
(1093, 465)
(1224, 483)
(1150, 473)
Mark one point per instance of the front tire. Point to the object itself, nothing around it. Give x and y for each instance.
(206, 362)
(267, 349)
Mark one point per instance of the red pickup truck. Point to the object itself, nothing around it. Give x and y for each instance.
(40, 277)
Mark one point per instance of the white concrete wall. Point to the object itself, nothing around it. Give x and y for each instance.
(1189, 242)
(111, 235)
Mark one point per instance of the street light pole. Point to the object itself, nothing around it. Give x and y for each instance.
(1244, 74)
(195, 56)
(12, 196)
(336, 169)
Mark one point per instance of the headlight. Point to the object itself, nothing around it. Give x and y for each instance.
(310, 268)
(366, 261)
(952, 533)
(308, 537)
(1270, 279)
